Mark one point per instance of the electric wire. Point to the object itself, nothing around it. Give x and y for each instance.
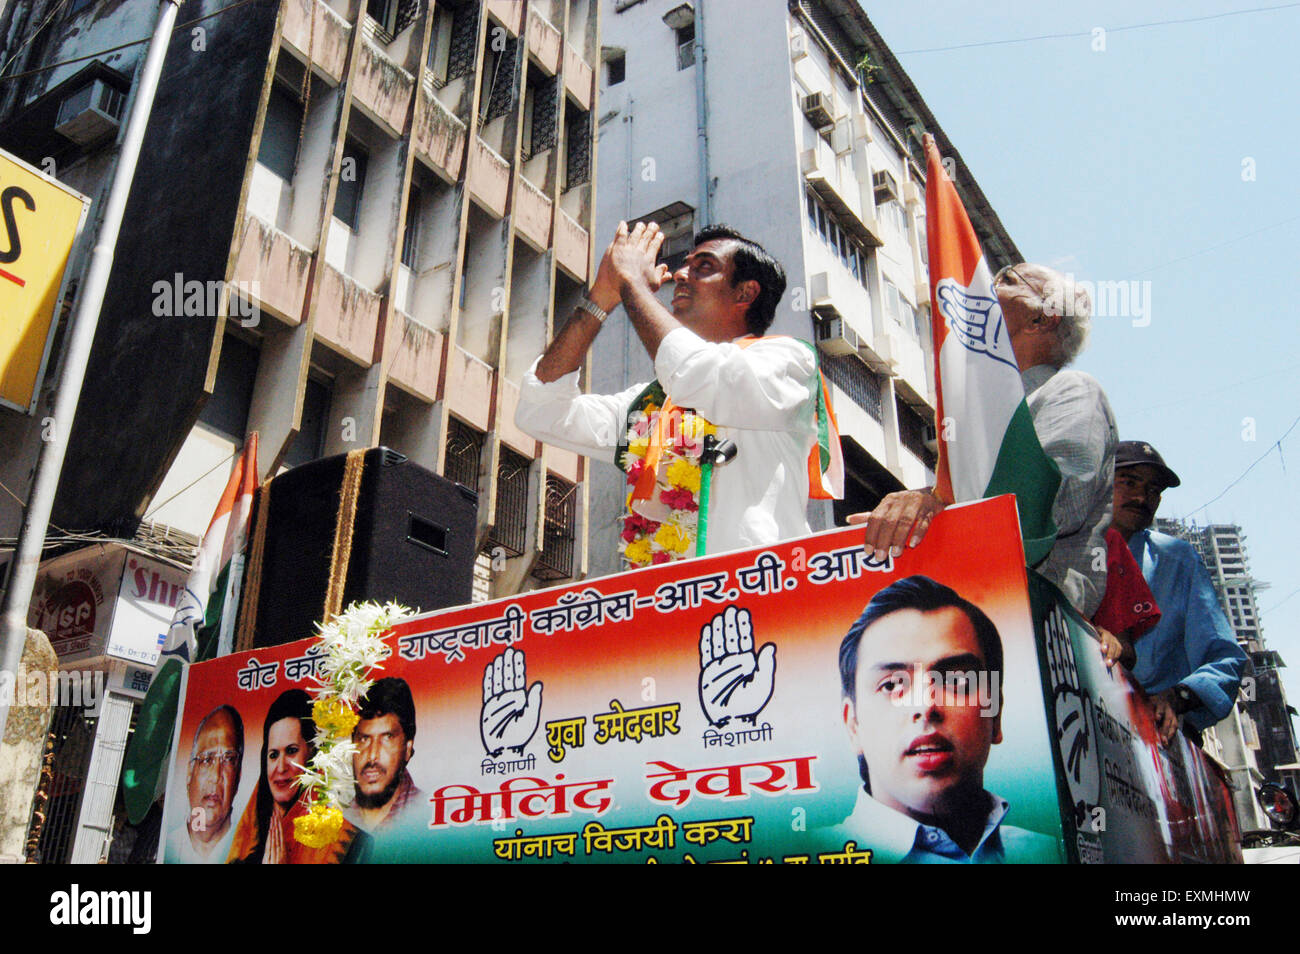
(1089, 33)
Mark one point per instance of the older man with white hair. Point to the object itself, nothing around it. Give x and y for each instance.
(1047, 320)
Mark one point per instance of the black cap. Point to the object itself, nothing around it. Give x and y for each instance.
(1132, 453)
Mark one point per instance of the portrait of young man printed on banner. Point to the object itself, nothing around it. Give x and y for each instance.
(921, 674)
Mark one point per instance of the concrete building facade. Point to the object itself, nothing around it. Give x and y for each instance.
(352, 224)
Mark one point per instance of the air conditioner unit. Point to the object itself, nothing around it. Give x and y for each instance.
(834, 336)
(91, 113)
(798, 45)
(820, 110)
(885, 185)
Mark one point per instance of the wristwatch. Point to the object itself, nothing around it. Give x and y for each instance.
(591, 308)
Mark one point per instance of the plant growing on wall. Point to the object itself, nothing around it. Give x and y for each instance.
(867, 70)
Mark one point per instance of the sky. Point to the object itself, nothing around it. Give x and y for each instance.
(1164, 156)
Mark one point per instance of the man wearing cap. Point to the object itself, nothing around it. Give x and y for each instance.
(1190, 664)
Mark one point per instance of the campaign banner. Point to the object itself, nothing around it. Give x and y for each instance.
(798, 703)
(1126, 797)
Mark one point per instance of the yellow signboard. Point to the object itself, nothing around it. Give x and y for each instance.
(39, 221)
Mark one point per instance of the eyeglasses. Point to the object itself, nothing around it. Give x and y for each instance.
(1011, 269)
(1002, 273)
(218, 760)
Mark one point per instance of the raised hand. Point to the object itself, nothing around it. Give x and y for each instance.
(631, 257)
(510, 715)
(735, 683)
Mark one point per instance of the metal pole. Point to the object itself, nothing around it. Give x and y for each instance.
(36, 519)
(702, 119)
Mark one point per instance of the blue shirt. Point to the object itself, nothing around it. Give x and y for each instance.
(897, 838)
(1193, 644)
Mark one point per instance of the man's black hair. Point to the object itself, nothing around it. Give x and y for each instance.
(751, 262)
(391, 696)
(926, 596)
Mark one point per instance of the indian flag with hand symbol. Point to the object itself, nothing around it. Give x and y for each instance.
(987, 442)
(210, 597)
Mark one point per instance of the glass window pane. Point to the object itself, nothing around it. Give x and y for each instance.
(352, 178)
(278, 150)
(411, 233)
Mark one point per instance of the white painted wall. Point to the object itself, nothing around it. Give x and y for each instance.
(269, 196)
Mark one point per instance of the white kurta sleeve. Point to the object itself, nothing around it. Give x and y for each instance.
(766, 386)
(557, 413)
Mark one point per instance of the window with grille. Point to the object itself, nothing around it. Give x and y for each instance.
(499, 70)
(407, 13)
(464, 36)
(556, 561)
(510, 530)
(464, 451)
(540, 132)
(855, 379)
(577, 135)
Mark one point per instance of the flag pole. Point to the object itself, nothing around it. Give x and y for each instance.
(85, 320)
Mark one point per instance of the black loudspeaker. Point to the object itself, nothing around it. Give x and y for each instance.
(412, 542)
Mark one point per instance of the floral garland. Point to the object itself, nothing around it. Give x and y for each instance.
(351, 647)
(665, 526)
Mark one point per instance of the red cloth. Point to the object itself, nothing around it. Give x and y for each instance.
(1128, 608)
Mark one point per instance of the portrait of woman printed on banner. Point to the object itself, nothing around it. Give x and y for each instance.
(265, 832)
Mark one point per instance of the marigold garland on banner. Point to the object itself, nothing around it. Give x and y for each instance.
(351, 647)
(665, 526)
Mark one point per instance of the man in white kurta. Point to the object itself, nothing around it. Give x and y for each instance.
(761, 396)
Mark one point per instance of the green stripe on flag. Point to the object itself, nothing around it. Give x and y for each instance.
(146, 754)
(1023, 469)
(819, 402)
(145, 763)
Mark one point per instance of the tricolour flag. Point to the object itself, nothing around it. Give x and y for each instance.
(987, 442)
(203, 605)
